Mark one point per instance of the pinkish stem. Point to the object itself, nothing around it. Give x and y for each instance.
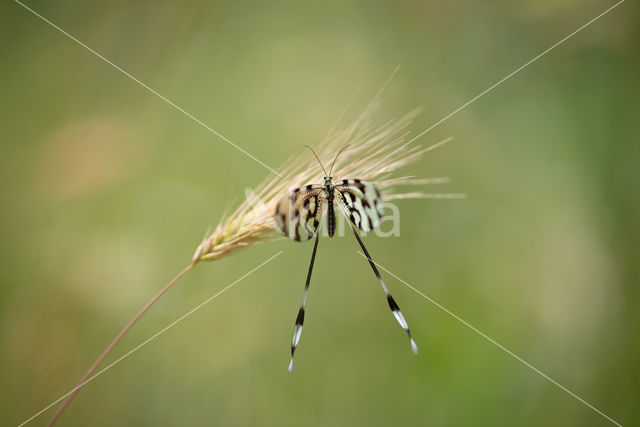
(122, 333)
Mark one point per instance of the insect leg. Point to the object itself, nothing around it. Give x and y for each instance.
(297, 329)
(392, 303)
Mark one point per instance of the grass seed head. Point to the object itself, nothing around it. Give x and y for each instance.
(375, 153)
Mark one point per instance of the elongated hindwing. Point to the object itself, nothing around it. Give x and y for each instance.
(298, 213)
(362, 201)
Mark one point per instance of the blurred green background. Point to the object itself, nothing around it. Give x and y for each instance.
(107, 191)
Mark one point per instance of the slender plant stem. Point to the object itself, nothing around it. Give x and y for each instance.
(122, 333)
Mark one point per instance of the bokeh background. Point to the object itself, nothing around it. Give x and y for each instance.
(107, 190)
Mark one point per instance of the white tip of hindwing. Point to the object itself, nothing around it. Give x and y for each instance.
(414, 346)
(291, 366)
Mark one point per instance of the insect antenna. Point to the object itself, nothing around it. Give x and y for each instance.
(297, 328)
(334, 160)
(314, 153)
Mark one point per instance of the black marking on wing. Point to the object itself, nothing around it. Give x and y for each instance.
(297, 214)
(362, 201)
(392, 303)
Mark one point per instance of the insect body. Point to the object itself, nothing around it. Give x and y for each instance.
(331, 215)
(298, 216)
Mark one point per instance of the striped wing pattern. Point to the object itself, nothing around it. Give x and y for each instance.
(298, 213)
(362, 202)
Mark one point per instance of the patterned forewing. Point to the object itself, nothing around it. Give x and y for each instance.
(297, 214)
(362, 201)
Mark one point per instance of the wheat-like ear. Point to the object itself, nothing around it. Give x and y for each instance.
(371, 155)
(252, 221)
